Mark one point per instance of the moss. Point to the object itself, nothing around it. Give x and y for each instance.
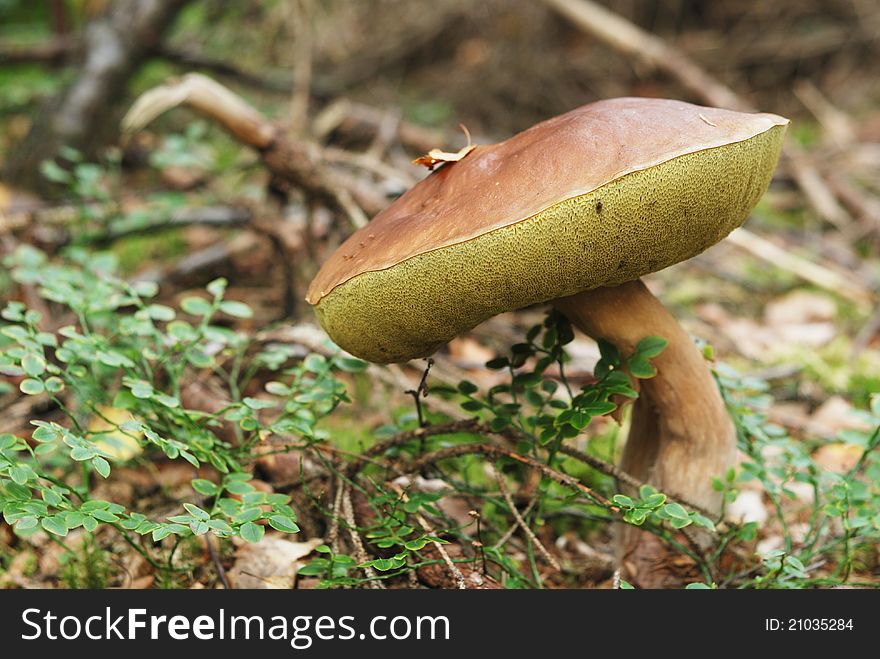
(639, 223)
(137, 250)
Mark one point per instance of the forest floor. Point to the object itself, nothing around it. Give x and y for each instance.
(790, 305)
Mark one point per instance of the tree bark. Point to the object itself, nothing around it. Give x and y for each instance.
(681, 434)
(115, 45)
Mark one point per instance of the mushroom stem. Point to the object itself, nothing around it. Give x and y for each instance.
(681, 434)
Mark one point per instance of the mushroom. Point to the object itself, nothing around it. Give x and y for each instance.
(572, 211)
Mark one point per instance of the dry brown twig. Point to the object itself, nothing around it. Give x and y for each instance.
(815, 273)
(333, 532)
(510, 531)
(296, 161)
(493, 451)
(499, 477)
(359, 552)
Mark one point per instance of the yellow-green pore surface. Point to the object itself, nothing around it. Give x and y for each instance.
(639, 223)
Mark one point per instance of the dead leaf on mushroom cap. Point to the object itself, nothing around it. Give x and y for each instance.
(436, 157)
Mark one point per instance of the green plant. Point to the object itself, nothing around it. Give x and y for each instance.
(118, 372)
(844, 508)
(85, 567)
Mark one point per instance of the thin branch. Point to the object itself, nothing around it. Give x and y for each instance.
(509, 533)
(490, 450)
(297, 162)
(522, 523)
(822, 276)
(468, 425)
(215, 558)
(359, 552)
(624, 477)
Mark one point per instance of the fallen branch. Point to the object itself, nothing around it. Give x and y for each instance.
(360, 553)
(296, 162)
(493, 451)
(468, 425)
(522, 523)
(820, 275)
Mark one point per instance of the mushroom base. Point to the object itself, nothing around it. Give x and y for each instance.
(681, 434)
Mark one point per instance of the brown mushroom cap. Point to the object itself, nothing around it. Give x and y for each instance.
(595, 197)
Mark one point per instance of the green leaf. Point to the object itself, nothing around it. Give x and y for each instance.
(697, 586)
(196, 306)
(53, 385)
(386, 564)
(703, 521)
(236, 309)
(93, 505)
(640, 367)
(31, 387)
(8, 440)
(466, 387)
(246, 514)
(161, 533)
(258, 404)
(280, 523)
(113, 358)
(219, 526)
(200, 527)
(161, 312)
(101, 466)
(277, 388)
(82, 453)
(204, 487)
(351, 364)
(54, 525)
(196, 512)
(651, 346)
(653, 500)
(142, 390)
(609, 351)
(33, 364)
(44, 434)
(676, 511)
(53, 172)
(598, 408)
(251, 532)
(105, 516)
(623, 501)
(217, 287)
(124, 400)
(238, 487)
(166, 400)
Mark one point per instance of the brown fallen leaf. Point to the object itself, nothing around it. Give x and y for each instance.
(269, 564)
(839, 457)
(467, 352)
(436, 157)
(837, 414)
